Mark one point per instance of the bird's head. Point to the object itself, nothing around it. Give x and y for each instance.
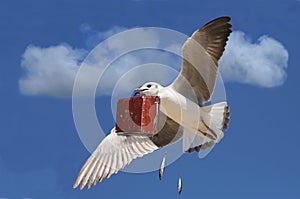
(148, 89)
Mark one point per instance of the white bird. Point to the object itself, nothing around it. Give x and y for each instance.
(182, 107)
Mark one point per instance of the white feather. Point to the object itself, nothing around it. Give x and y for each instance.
(112, 154)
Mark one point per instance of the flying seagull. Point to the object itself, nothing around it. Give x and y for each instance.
(182, 106)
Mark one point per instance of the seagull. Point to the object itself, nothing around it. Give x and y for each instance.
(182, 105)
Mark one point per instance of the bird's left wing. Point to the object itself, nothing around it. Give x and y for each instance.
(112, 154)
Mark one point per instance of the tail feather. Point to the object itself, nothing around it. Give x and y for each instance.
(226, 118)
(216, 120)
(219, 115)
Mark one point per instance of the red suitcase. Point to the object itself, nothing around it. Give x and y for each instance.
(138, 115)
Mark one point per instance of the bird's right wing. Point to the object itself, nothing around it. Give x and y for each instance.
(200, 56)
(112, 154)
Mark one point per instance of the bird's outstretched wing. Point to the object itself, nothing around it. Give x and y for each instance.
(201, 53)
(112, 154)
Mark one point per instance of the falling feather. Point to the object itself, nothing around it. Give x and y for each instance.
(179, 186)
(162, 167)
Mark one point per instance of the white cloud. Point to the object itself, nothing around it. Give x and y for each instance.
(92, 38)
(261, 63)
(52, 70)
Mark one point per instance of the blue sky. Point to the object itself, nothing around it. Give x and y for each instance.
(41, 153)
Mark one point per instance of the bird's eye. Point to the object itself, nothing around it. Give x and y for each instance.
(149, 86)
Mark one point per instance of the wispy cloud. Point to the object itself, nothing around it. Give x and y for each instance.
(262, 63)
(52, 70)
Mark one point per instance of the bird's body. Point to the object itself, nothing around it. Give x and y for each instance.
(182, 109)
(179, 108)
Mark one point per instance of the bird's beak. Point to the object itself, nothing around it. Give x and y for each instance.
(139, 92)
